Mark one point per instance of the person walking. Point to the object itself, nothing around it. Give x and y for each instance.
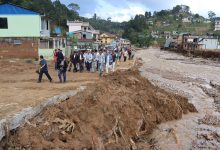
(125, 55)
(70, 62)
(86, 60)
(94, 62)
(97, 61)
(55, 58)
(62, 68)
(43, 70)
(75, 60)
(89, 60)
(101, 62)
(81, 61)
(108, 61)
(60, 56)
(113, 61)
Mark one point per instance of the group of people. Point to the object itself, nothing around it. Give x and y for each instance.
(97, 60)
(90, 60)
(61, 65)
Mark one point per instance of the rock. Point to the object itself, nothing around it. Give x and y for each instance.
(208, 137)
(218, 133)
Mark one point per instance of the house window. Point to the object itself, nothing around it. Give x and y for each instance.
(84, 36)
(85, 29)
(3, 23)
(47, 25)
(17, 42)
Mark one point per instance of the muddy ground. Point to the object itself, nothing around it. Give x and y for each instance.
(198, 80)
(19, 87)
(118, 112)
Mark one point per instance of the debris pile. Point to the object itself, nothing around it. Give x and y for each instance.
(119, 112)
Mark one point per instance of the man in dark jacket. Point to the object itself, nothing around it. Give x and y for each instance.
(60, 56)
(81, 61)
(43, 69)
(62, 68)
(113, 61)
(75, 60)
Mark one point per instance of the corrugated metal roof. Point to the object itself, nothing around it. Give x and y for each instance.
(10, 9)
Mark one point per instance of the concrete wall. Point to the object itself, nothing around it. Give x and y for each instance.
(209, 43)
(24, 48)
(22, 26)
(74, 28)
(48, 53)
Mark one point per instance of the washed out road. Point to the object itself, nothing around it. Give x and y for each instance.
(189, 77)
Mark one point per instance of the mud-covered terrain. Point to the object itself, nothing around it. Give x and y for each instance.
(198, 80)
(118, 112)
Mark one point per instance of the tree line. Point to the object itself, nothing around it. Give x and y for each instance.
(137, 30)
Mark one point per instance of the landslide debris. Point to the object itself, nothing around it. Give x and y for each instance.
(119, 112)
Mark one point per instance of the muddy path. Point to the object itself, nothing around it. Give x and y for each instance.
(117, 112)
(198, 80)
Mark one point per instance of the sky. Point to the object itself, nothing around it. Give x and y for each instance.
(124, 10)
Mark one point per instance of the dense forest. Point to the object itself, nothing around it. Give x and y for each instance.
(139, 29)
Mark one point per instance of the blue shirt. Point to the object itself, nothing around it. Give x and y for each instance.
(44, 62)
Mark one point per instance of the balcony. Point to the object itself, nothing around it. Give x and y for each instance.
(45, 33)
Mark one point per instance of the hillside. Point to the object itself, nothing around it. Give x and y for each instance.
(148, 29)
(138, 30)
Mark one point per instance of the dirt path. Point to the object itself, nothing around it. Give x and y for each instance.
(190, 78)
(19, 87)
(118, 112)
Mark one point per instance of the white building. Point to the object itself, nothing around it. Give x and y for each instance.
(83, 26)
(217, 25)
(208, 43)
(187, 20)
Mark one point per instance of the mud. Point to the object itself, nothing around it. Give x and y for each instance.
(198, 80)
(213, 92)
(118, 112)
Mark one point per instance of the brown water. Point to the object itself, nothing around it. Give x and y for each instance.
(188, 77)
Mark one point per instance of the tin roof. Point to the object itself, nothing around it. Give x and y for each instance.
(10, 9)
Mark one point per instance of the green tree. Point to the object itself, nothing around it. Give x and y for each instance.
(211, 15)
(74, 7)
(94, 16)
(176, 9)
(147, 14)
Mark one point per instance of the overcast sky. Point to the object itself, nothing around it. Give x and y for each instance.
(123, 10)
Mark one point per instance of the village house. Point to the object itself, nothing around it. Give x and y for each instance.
(200, 42)
(124, 43)
(217, 25)
(25, 33)
(107, 38)
(82, 36)
(207, 21)
(150, 22)
(198, 20)
(85, 40)
(83, 26)
(187, 20)
(51, 39)
(20, 30)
